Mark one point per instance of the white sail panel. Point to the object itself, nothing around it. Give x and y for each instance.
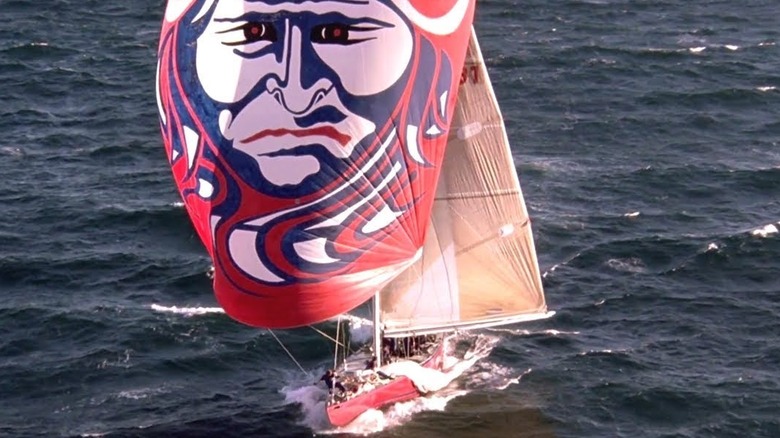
(478, 267)
(428, 292)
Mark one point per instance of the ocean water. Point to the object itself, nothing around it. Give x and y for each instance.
(645, 134)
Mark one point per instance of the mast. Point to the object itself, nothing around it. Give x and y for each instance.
(377, 330)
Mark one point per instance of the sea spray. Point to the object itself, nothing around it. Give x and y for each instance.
(311, 399)
(361, 330)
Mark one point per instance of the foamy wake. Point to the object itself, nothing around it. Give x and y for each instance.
(188, 311)
(464, 371)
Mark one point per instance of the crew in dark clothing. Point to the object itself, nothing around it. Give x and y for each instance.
(371, 363)
(331, 381)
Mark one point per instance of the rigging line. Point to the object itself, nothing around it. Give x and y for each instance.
(351, 351)
(287, 351)
(371, 312)
(348, 343)
(336, 350)
(325, 335)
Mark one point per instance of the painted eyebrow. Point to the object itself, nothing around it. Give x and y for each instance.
(278, 2)
(265, 17)
(230, 30)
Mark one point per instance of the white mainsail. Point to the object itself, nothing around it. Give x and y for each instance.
(478, 266)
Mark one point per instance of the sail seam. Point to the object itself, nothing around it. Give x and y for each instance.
(478, 195)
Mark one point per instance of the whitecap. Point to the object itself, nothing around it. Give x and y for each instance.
(188, 311)
(549, 271)
(603, 351)
(765, 231)
(139, 394)
(13, 151)
(558, 332)
(627, 265)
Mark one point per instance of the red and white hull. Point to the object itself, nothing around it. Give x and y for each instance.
(397, 390)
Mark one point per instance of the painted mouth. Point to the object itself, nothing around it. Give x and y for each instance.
(323, 131)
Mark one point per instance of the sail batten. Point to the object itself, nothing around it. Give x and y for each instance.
(479, 266)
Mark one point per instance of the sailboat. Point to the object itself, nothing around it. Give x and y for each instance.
(478, 266)
(329, 154)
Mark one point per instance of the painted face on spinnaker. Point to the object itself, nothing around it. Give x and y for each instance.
(305, 138)
(293, 75)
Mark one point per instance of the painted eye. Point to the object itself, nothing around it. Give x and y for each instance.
(333, 33)
(254, 31)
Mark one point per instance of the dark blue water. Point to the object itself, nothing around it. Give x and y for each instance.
(645, 134)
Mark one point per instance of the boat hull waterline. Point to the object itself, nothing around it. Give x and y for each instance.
(399, 389)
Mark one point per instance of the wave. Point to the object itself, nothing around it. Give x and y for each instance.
(671, 253)
(738, 242)
(121, 212)
(12, 151)
(38, 49)
(604, 352)
(520, 332)
(734, 96)
(75, 270)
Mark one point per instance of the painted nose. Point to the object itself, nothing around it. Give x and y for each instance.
(290, 93)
